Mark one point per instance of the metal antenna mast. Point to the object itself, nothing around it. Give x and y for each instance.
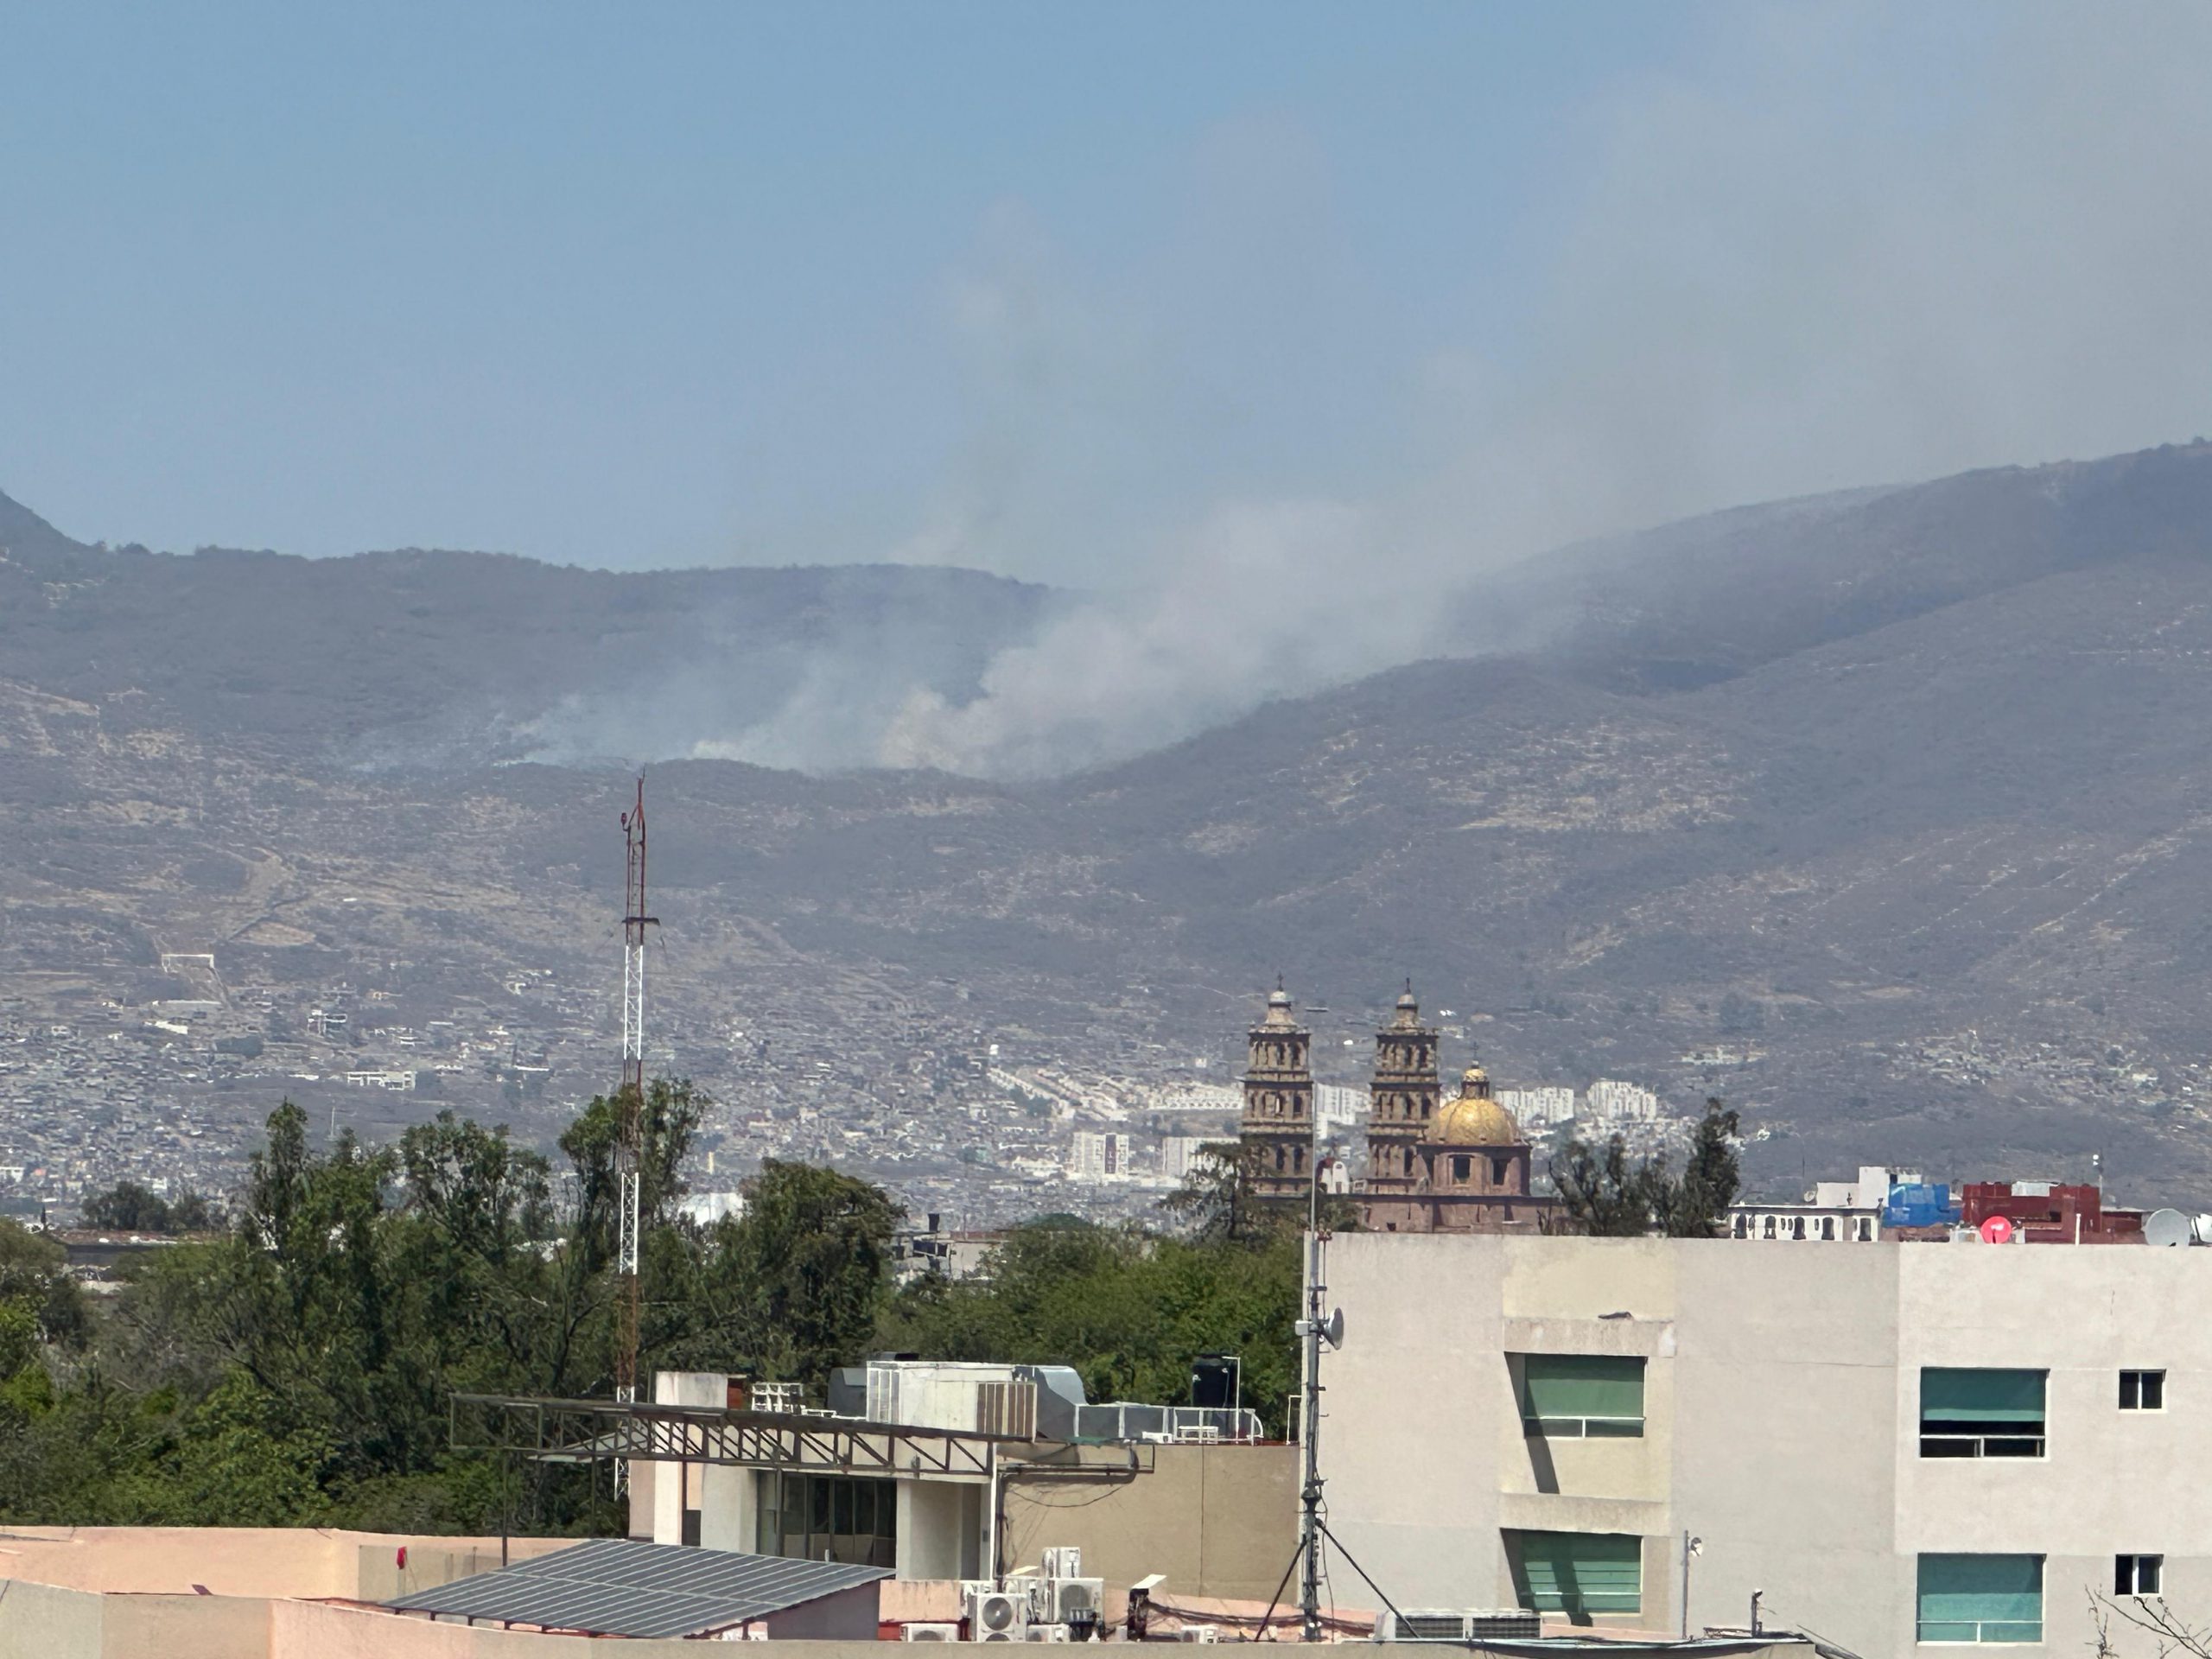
(630, 1104)
(1314, 1329)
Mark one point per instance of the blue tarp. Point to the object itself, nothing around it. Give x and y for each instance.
(1921, 1205)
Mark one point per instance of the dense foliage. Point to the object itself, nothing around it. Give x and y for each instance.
(299, 1366)
(1127, 1308)
(1608, 1196)
(128, 1207)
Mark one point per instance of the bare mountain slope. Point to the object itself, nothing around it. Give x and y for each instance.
(1927, 860)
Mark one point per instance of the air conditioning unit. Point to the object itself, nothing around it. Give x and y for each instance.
(1456, 1627)
(929, 1632)
(998, 1615)
(1046, 1633)
(1071, 1596)
(1198, 1633)
(1066, 1562)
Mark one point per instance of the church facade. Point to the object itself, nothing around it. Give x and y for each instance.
(1433, 1165)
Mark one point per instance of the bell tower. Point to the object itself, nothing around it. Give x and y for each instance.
(1401, 1101)
(1276, 1130)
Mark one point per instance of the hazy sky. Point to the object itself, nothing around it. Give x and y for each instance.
(1051, 287)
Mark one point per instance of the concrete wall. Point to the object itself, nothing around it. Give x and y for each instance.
(848, 1615)
(126, 1592)
(39, 1621)
(1782, 1392)
(940, 1530)
(1217, 1520)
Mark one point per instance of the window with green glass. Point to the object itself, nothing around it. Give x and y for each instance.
(1983, 1598)
(1576, 1572)
(1571, 1394)
(1969, 1412)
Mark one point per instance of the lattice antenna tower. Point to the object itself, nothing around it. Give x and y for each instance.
(630, 1104)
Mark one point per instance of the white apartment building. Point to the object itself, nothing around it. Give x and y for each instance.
(1178, 1153)
(1613, 1099)
(1914, 1446)
(1833, 1212)
(1339, 1107)
(1098, 1155)
(1540, 1107)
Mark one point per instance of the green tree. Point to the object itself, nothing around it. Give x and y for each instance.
(1696, 1206)
(1605, 1194)
(128, 1207)
(793, 1286)
(1127, 1308)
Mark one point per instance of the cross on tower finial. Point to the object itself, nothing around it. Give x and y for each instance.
(1279, 984)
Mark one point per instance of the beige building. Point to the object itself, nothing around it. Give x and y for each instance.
(1903, 1448)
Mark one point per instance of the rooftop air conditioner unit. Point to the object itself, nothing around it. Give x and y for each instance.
(1441, 1625)
(1046, 1633)
(1065, 1562)
(1517, 1624)
(998, 1615)
(1198, 1633)
(929, 1632)
(1071, 1596)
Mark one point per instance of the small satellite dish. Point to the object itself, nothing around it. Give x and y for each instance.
(2203, 1227)
(2168, 1227)
(1998, 1229)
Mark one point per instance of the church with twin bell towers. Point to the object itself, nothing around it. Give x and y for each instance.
(1433, 1165)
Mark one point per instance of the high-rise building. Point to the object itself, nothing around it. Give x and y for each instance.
(1276, 1130)
(1178, 1153)
(1096, 1155)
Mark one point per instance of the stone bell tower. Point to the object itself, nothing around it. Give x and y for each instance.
(1276, 1131)
(1401, 1100)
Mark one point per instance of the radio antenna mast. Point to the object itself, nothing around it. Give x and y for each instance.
(630, 1104)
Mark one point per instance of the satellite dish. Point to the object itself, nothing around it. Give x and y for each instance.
(2168, 1227)
(2204, 1228)
(1998, 1229)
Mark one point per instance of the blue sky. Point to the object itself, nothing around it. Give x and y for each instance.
(1038, 287)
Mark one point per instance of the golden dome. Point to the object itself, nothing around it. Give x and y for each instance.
(1474, 1119)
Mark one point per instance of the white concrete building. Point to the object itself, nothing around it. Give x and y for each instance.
(1615, 1101)
(1540, 1107)
(1907, 1448)
(1178, 1153)
(1339, 1107)
(1098, 1155)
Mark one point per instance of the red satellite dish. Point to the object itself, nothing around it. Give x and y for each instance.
(1998, 1229)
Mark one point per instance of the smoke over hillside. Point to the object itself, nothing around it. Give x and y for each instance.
(1770, 278)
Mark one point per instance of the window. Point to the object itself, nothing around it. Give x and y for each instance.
(2137, 1575)
(1981, 1598)
(1797, 1227)
(1738, 1227)
(1577, 1572)
(1977, 1414)
(1497, 1167)
(1459, 1169)
(1769, 1227)
(2142, 1390)
(1828, 1226)
(1866, 1230)
(825, 1517)
(1591, 1396)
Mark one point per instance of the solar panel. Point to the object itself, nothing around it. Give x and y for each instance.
(616, 1586)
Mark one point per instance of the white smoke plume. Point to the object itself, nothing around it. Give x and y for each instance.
(1831, 248)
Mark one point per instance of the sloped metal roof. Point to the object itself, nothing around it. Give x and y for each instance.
(616, 1586)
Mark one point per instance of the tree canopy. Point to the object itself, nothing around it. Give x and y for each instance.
(1608, 1195)
(297, 1366)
